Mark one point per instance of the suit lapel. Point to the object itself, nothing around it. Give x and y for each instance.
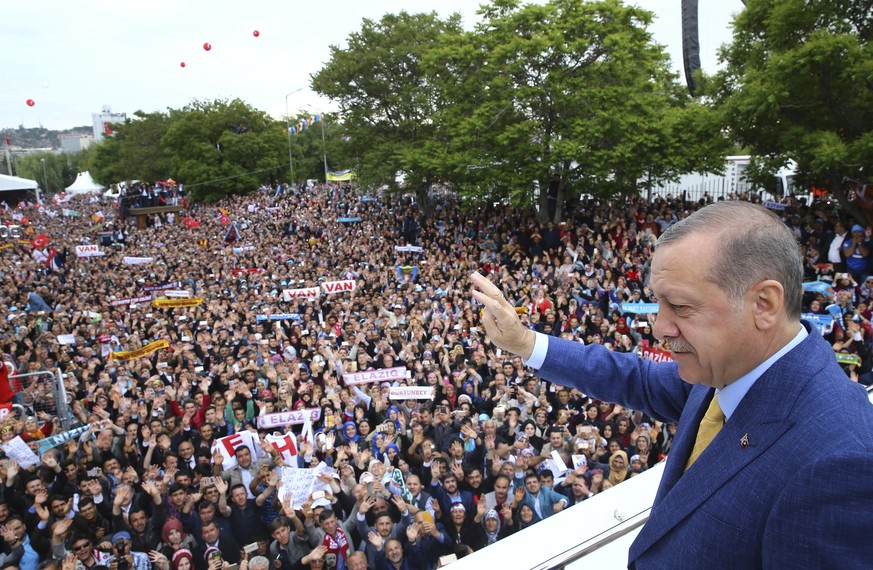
(761, 419)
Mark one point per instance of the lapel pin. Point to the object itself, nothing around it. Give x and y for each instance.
(744, 441)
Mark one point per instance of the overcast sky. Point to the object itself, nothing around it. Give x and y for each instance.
(74, 57)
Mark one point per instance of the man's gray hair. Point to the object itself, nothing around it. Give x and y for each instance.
(259, 563)
(754, 245)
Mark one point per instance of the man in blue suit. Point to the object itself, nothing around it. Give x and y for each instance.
(787, 480)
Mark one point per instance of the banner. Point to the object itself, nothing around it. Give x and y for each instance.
(180, 294)
(137, 260)
(227, 445)
(412, 248)
(247, 270)
(300, 483)
(844, 358)
(819, 287)
(171, 303)
(382, 375)
(163, 286)
(53, 441)
(89, 251)
(341, 176)
(655, 355)
(771, 205)
(640, 308)
(349, 220)
(820, 321)
(131, 300)
(290, 418)
(278, 317)
(286, 445)
(305, 293)
(243, 249)
(331, 287)
(148, 349)
(411, 393)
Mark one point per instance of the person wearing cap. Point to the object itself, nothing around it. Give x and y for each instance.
(463, 528)
(856, 250)
(124, 557)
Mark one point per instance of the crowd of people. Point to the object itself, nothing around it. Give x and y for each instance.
(494, 449)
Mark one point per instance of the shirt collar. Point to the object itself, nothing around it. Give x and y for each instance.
(731, 395)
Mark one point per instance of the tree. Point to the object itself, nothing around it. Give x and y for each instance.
(225, 147)
(798, 84)
(134, 151)
(554, 100)
(313, 146)
(386, 100)
(60, 169)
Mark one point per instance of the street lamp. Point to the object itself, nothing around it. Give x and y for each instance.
(288, 128)
(44, 180)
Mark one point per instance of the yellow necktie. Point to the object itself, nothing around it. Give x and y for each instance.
(710, 425)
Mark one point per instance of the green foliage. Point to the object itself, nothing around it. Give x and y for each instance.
(564, 98)
(224, 147)
(798, 84)
(60, 169)
(309, 148)
(133, 152)
(386, 99)
(568, 97)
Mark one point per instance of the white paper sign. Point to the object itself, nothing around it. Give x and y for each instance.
(19, 451)
(331, 287)
(89, 251)
(290, 418)
(227, 445)
(301, 483)
(411, 393)
(305, 293)
(177, 294)
(66, 339)
(137, 260)
(370, 376)
(286, 445)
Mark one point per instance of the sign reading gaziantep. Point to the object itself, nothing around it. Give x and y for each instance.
(370, 376)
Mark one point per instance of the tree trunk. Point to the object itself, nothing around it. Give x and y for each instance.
(425, 204)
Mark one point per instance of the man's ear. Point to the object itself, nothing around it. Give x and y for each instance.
(768, 298)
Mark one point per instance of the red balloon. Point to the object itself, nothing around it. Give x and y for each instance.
(207, 46)
(31, 102)
(256, 33)
(182, 64)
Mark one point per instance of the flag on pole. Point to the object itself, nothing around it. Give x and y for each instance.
(232, 234)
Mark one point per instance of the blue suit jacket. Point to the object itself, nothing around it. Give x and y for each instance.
(787, 483)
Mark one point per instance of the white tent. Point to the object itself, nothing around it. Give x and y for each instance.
(84, 184)
(13, 183)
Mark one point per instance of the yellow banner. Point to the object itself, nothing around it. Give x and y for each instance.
(6, 246)
(172, 303)
(148, 349)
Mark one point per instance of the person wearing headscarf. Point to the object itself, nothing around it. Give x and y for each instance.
(350, 431)
(174, 539)
(618, 466)
(493, 529)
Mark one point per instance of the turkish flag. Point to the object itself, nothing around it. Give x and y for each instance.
(225, 221)
(6, 393)
(40, 241)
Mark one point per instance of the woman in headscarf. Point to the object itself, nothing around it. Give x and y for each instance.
(618, 466)
(494, 531)
(350, 431)
(173, 538)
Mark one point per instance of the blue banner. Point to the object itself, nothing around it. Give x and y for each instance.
(279, 317)
(819, 287)
(640, 308)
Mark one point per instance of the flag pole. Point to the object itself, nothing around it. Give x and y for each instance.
(324, 149)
